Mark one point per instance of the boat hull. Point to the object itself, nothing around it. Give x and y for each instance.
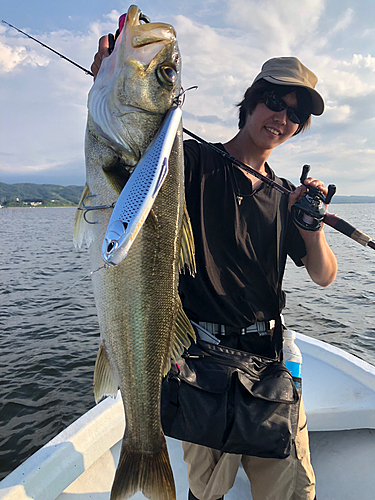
(339, 396)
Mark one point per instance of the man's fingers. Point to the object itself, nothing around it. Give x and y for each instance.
(103, 51)
(310, 181)
(104, 46)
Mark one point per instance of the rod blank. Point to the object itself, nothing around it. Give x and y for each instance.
(49, 48)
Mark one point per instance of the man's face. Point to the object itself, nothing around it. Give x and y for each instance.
(268, 129)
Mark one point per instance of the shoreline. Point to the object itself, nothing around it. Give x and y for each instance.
(22, 208)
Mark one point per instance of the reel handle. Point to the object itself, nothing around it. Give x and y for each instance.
(331, 192)
(309, 212)
(305, 171)
(315, 192)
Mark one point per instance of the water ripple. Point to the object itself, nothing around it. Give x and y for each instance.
(49, 329)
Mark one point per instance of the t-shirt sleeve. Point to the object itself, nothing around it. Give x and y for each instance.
(191, 159)
(295, 246)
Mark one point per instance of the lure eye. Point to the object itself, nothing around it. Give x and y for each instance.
(111, 246)
(167, 75)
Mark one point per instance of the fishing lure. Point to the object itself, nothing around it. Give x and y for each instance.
(138, 196)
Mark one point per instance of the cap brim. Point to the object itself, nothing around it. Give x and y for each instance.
(316, 98)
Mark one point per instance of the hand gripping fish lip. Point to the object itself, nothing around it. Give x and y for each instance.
(137, 197)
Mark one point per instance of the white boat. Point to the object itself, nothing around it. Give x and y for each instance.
(339, 395)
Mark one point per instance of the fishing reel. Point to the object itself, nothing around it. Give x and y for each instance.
(308, 213)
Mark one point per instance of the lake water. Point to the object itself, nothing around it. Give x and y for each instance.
(49, 330)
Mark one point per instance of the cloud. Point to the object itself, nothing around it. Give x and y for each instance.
(361, 61)
(343, 23)
(43, 106)
(337, 114)
(280, 26)
(12, 56)
(223, 45)
(104, 26)
(213, 59)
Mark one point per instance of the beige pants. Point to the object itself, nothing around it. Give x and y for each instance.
(212, 473)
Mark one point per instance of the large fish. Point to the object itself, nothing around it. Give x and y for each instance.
(141, 320)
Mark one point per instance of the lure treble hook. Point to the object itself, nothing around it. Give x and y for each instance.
(90, 208)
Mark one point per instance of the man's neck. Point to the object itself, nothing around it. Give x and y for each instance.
(247, 153)
(250, 156)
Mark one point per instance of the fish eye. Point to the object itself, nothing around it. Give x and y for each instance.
(167, 75)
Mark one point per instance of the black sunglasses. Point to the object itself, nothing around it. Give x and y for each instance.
(275, 103)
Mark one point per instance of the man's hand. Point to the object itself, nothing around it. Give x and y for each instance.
(103, 51)
(300, 191)
(320, 261)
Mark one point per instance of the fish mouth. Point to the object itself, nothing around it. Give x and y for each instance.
(129, 108)
(135, 87)
(143, 34)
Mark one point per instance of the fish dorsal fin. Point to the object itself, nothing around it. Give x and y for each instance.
(183, 335)
(187, 247)
(105, 381)
(79, 221)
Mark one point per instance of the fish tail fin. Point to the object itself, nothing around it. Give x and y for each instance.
(147, 472)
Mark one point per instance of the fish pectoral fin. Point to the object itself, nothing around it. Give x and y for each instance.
(116, 174)
(79, 221)
(105, 381)
(187, 247)
(183, 335)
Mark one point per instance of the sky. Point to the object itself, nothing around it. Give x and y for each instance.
(223, 43)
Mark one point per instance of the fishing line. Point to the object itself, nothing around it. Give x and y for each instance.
(105, 266)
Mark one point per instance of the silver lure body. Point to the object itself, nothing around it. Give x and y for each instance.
(138, 196)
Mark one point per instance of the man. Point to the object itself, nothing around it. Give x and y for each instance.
(243, 232)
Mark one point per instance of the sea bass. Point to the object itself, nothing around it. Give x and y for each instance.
(141, 320)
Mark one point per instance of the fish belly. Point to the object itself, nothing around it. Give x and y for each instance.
(137, 304)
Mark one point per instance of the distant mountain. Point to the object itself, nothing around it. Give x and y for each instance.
(52, 195)
(28, 194)
(353, 199)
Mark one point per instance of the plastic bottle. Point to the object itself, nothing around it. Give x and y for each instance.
(293, 357)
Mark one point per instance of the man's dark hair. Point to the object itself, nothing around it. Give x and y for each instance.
(254, 94)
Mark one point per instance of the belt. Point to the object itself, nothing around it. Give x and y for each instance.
(260, 327)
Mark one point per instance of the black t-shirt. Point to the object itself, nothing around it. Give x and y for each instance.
(241, 249)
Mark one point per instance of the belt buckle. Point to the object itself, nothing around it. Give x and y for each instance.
(271, 326)
(261, 328)
(265, 327)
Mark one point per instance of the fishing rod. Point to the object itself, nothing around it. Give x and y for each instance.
(308, 213)
(49, 48)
